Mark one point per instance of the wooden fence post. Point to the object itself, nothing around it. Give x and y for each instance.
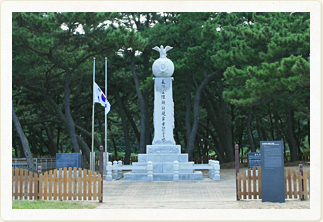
(101, 172)
(301, 183)
(237, 167)
(39, 172)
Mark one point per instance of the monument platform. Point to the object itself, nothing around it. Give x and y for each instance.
(162, 158)
(163, 176)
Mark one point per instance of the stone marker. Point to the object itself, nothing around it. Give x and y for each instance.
(272, 171)
(163, 151)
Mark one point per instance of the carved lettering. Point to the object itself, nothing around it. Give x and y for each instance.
(163, 149)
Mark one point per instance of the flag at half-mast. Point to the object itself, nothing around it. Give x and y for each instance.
(99, 97)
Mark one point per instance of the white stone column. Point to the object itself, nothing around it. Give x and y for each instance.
(149, 171)
(109, 171)
(176, 170)
(105, 161)
(163, 112)
(120, 171)
(115, 171)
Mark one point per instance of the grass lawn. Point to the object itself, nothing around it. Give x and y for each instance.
(48, 204)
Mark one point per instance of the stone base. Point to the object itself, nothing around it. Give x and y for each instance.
(163, 149)
(162, 158)
(197, 175)
(163, 167)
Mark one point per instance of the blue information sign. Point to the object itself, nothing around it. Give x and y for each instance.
(272, 171)
(254, 160)
(68, 160)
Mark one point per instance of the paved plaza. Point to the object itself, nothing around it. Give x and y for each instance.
(205, 194)
(168, 194)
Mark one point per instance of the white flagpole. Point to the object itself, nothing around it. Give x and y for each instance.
(106, 94)
(91, 156)
(106, 155)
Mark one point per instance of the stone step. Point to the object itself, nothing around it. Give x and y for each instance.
(197, 175)
(163, 167)
(163, 157)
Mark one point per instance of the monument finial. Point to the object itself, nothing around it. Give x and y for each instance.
(162, 50)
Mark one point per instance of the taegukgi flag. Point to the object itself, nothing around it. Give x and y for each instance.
(99, 97)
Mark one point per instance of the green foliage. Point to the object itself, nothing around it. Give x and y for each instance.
(261, 60)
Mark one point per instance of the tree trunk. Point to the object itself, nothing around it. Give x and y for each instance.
(252, 147)
(125, 128)
(188, 106)
(261, 130)
(229, 146)
(51, 145)
(276, 117)
(70, 122)
(131, 121)
(33, 140)
(300, 153)
(58, 136)
(143, 114)
(84, 147)
(219, 151)
(271, 123)
(98, 143)
(24, 141)
(190, 144)
(14, 144)
(21, 149)
(101, 131)
(219, 155)
(147, 122)
(146, 93)
(177, 136)
(114, 143)
(240, 138)
(208, 104)
(42, 142)
(63, 119)
(290, 133)
(258, 130)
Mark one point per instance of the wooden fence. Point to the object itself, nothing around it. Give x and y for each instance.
(62, 184)
(249, 184)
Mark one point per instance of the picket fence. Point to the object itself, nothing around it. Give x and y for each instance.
(62, 184)
(249, 184)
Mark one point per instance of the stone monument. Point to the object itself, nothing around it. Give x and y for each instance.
(163, 151)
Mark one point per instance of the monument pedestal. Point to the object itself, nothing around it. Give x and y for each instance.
(162, 158)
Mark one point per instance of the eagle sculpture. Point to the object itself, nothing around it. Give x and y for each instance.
(162, 50)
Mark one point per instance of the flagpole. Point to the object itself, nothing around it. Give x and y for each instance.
(91, 156)
(106, 94)
(106, 155)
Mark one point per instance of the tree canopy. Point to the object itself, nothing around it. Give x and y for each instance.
(239, 78)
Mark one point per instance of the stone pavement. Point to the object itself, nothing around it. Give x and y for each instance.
(168, 194)
(205, 194)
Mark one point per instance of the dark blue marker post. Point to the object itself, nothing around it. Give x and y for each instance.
(101, 172)
(272, 171)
